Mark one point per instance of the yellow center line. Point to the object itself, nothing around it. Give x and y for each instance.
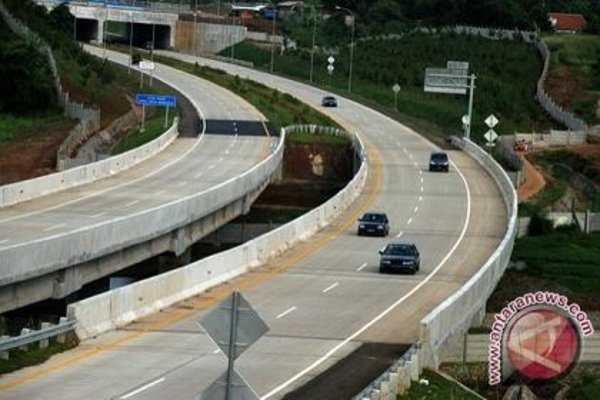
(246, 281)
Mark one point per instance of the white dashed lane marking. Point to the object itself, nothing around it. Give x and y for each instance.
(328, 288)
(286, 312)
(361, 267)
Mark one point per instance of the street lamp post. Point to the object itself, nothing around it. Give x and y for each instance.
(312, 49)
(273, 36)
(130, 40)
(351, 45)
(152, 51)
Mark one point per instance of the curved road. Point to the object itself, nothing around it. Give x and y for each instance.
(186, 167)
(322, 299)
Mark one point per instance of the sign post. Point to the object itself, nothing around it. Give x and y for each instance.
(145, 66)
(396, 88)
(234, 326)
(330, 67)
(490, 136)
(454, 79)
(155, 100)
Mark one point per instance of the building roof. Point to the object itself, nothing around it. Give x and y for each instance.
(567, 22)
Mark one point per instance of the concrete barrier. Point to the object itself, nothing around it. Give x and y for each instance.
(52, 183)
(454, 316)
(123, 305)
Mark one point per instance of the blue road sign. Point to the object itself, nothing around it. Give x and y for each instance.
(155, 100)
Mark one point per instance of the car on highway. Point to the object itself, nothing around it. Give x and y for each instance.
(374, 223)
(399, 257)
(329, 101)
(439, 161)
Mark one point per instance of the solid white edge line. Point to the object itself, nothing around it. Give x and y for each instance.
(362, 266)
(387, 310)
(328, 288)
(141, 389)
(286, 312)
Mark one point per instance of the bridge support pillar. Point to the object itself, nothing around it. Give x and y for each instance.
(100, 31)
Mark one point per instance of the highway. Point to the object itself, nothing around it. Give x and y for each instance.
(323, 298)
(188, 166)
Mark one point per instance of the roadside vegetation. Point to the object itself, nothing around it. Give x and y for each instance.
(583, 383)
(561, 260)
(434, 386)
(32, 126)
(507, 74)
(281, 109)
(574, 76)
(34, 355)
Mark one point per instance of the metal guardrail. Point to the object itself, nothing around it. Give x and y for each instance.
(14, 342)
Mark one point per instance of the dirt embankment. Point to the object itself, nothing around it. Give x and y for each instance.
(312, 173)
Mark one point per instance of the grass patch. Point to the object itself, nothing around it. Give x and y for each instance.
(580, 55)
(551, 194)
(154, 127)
(378, 64)
(281, 109)
(439, 388)
(33, 356)
(13, 127)
(309, 138)
(565, 262)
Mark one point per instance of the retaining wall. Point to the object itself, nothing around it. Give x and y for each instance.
(451, 319)
(37, 187)
(121, 306)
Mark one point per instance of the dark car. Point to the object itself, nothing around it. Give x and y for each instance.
(439, 162)
(374, 223)
(329, 101)
(400, 257)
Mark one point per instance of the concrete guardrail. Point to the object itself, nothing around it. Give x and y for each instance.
(32, 188)
(123, 305)
(40, 257)
(451, 319)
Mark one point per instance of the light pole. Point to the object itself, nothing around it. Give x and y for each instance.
(195, 27)
(104, 25)
(152, 49)
(312, 49)
(273, 36)
(351, 45)
(130, 40)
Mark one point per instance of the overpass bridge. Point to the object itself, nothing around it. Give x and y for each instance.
(53, 245)
(150, 22)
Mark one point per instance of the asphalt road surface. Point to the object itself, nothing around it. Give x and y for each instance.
(323, 299)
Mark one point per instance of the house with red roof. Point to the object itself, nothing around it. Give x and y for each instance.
(567, 23)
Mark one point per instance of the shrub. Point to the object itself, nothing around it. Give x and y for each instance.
(540, 225)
